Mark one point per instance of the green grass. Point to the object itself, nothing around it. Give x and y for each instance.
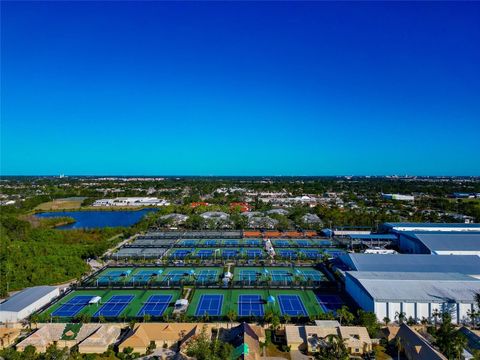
(75, 328)
(130, 311)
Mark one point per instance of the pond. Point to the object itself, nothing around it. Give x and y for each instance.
(98, 219)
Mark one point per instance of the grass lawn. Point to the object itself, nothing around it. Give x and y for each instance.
(61, 204)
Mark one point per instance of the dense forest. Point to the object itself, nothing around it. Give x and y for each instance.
(39, 254)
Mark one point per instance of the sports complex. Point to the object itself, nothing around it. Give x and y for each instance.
(206, 278)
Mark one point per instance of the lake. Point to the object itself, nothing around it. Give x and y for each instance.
(98, 219)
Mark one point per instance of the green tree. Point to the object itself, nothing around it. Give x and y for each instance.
(344, 314)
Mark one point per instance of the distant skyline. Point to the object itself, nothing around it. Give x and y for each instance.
(240, 88)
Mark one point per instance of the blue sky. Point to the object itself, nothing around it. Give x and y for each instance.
(240, 88)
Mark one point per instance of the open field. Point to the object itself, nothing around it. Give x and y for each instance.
(61, 204)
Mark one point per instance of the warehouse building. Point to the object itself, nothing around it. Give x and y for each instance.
(463, 264)
(26, 302)
(440, 242)
(416, 294)
(404, 226)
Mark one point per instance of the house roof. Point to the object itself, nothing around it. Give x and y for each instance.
(417, 286)
(464, 264)
(417, 345)
(144, 333)
(26, 297)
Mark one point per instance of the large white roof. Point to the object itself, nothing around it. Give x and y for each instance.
(25, 298)
(417, 287)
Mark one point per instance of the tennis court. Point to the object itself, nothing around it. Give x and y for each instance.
(252, 242)
(138, 299)
(204, 253)
(281, 243)
(114, 306)
(281, 276)
(207, 276)
(73, 306)
(310, 253)
(250, 305)
(330, 302)
(143, 276)
(229, 253)
(249, 275)
(311, 274)
(211, 242)
(287, 254)
(180, 253)
(230, 242)
(155, 305)
(291, 305)
(209, 305)
(188, 243)
(175, 275)
(254, 253)
(303, 243)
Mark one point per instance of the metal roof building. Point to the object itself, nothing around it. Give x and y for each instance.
(416, 294)
(406, 226)
(440, 242)
(463, 264)
(26, 302)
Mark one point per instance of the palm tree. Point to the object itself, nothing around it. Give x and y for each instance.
(231, 315)
(400, 316)
(386, 320)
(436, 314)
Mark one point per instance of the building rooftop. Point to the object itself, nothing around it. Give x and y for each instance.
(444, 241)
(417, 286)
(464, 264)
(407, 226)
(26, 297)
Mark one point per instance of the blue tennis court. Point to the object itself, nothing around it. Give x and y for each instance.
(281, 243)
(114, 306)
(334, 252)
(313, 275)
(291, 305)
(281, 275)
(204, 253)
(211, 242)
(207, 276)
(188, 242)
(175, 275)
(287, 254)
(73, 306)
(230, 242)
(180, 254)
(155, 305)
(253, 253)
(112, 275)
(304, 243)
(209, 305)
(250, 305)
(323, 242)
(229, 253)
(248, 275)
(330, 302)
(253, 242)
(145, 275)
(310, 254)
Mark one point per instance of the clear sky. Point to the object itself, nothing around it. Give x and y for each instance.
(240, 88)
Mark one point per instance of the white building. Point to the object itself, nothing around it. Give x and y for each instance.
(416, 294)
(26, 302)
(132, 201)
(396, 227)
(399, 197)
